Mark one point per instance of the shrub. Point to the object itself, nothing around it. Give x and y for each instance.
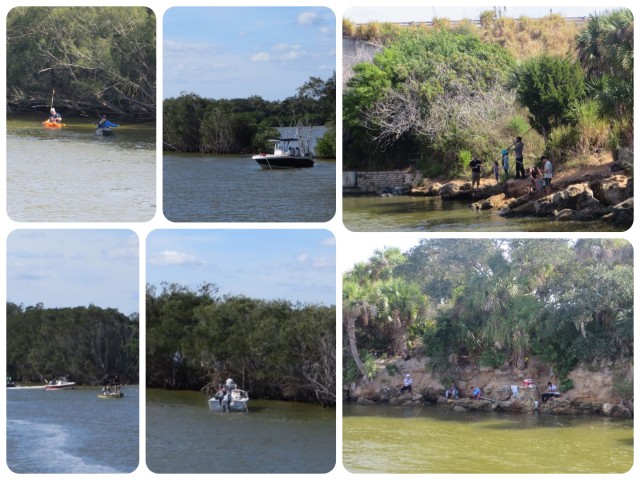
(566, 384)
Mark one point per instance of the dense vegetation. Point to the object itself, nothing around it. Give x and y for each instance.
(491, 302)
(433, 97)
(83, 343)
(274, 349)
(241, 125)
(96, 59)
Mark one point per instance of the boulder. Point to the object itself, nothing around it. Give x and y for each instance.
(611, 190)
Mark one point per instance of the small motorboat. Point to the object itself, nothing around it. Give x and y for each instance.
(229, 399)
(60, 384)
(10, 382)
(116, 395)
(286, 154)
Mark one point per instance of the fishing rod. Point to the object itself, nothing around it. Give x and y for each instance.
(52, 94)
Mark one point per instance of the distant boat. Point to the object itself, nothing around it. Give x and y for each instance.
(286, 154)
(10, 382)
(229, 399)
(115, 395)
(60, 384)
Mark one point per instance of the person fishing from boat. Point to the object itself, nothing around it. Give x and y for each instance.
(54, 117)
(104, 123)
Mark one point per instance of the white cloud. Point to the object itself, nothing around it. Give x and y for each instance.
(329, 242)
(260, 57)
(309, 18)
(303, 257)
(187, 47)
(172, 257)
(280, 47)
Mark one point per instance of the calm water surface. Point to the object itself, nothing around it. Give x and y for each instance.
(433, 439)
(71, 174)
(72, 431)
(274, 437)
(431, 214)
(208, 188)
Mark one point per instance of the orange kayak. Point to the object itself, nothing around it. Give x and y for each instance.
(50, 124)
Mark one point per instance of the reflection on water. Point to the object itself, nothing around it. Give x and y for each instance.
(432, 439)
(183, 436)
(431, 214)
(72, 174)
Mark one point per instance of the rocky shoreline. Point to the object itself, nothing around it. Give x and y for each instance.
(604, 192)
(593, 392)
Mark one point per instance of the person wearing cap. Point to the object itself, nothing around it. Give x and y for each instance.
(54, 117)
(505, 161)
(406, 383)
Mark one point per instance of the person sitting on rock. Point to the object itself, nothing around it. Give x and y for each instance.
(452, 391)
(406, 383)
(477, 393)
(552, 391)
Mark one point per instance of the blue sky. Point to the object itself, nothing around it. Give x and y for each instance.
(426, 13)
(237, 52)
(73, 268)
(293, 265)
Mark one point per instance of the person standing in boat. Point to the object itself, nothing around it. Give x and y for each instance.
(54, 117)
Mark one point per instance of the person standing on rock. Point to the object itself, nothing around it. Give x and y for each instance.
(406, 383)
(518, 148)
(505, 161)
(476, 169)
(547, 173)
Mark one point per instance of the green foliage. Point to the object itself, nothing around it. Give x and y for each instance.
(369, 361)
(492, 358)
(391, 369)
(272, 348)
(84, 343)
(500, 301)
(427, 92)
(326, 145)
(566, 384)
(517, 126)
(550, 87)
(623, 387)
(96, 58)
(195, 124)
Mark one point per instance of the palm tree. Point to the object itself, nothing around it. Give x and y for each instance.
(401, 303)
(356, 306)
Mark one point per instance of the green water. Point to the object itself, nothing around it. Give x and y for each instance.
(431, 214)
(430, 439)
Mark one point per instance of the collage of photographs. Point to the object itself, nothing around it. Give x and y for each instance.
(341, 238)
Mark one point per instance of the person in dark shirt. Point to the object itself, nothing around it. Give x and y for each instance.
(476, 169)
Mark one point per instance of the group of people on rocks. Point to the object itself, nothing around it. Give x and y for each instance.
(539, 176)
(453, 391)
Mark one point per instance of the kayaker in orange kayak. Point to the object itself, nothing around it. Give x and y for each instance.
(54, 117)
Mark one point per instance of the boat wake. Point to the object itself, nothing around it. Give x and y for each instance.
(45, 448)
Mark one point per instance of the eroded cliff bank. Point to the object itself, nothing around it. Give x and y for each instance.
(605, 389)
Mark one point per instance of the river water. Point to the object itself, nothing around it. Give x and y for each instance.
(431, 214)
(431, 439)
(208, 188)
(183, 436)
(72, 431)
(71, 174)
(233, 188)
